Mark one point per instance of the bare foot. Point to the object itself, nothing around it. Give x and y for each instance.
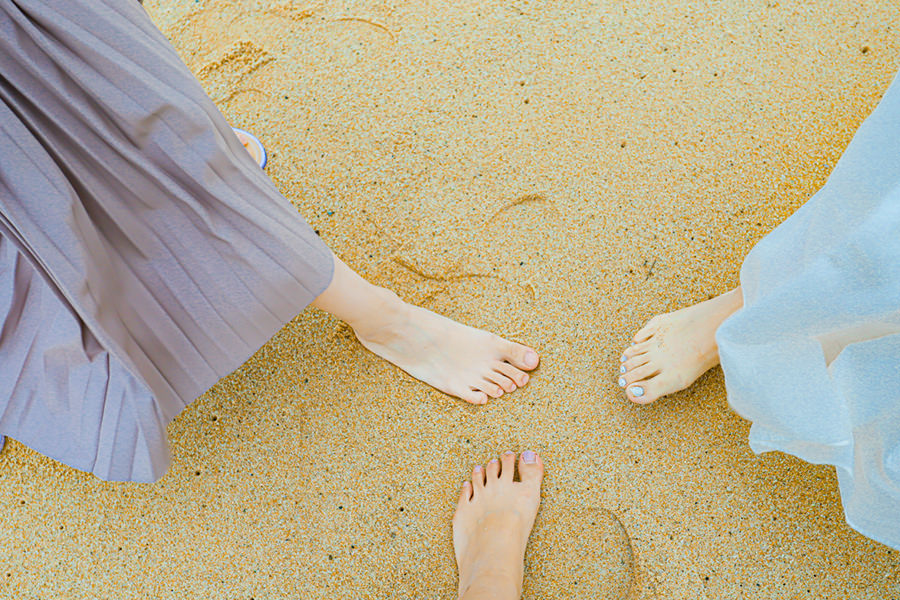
(252, 145)
(491, 526)
(674, 349)
(458, 360)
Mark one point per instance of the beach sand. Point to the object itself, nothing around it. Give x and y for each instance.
(557, 172)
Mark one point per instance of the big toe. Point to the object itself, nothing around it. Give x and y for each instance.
(648, 390)
(531, 468)
(521, 356)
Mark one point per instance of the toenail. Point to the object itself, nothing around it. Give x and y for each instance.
(477, 467)
(622, 369)
(529, 457)
(493, 460)
(524, 379)
(623, 359)
(622, 382)
(531, 359)
(508, 453)
(637, 391)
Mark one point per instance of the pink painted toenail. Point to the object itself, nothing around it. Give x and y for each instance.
(529, 457)
(637, 391)
(622, 382)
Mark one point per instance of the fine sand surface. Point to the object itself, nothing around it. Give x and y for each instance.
(557, 172)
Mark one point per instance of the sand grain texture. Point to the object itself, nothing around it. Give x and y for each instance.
(557, 172)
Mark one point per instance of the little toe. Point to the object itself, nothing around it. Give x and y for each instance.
(507, 384)
(520, 378)
(473, 396)
(493, 470)
(531, 468)
(465, 493)
(646, 332)
(508, 466)
(521, 356)
(636, 350)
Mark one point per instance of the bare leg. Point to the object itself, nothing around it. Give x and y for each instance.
(674, 349)
(458, 360)
(491, 526)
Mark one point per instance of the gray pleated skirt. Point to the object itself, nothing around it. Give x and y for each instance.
(143, 253)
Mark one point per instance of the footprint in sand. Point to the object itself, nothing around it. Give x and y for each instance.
(488, 261)
(229, 74)
(579, 554)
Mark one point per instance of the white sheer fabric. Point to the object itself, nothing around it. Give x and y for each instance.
(813, 358)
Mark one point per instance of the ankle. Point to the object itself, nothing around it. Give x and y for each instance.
(734, 299)
(491, 587)
(383, 308)
(494, 582)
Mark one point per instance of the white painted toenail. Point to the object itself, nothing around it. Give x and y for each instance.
(623, 359)
(529, 457)
(508, 453)
(493, 460)
(622, 369)
(637, 391)
(477, 467)
(622, 382)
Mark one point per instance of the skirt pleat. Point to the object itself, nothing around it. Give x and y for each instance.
(165, 251)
